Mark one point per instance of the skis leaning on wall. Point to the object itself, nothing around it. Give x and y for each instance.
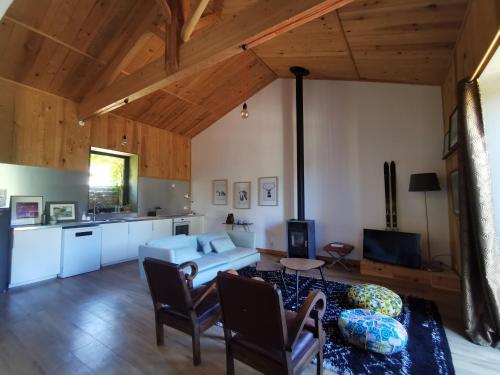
(393, 196)
(391, 212)
(387, 196)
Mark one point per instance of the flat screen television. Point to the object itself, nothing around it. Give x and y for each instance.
(398, 248)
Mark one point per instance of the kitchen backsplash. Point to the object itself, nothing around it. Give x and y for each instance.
(63, 185)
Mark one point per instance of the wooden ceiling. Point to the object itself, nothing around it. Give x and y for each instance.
(64, 46)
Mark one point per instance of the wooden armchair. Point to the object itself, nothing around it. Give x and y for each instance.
(261, 333)
(177, 304)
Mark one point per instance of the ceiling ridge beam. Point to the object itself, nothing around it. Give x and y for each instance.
(258, 23)
(52, 38)
(346, 41)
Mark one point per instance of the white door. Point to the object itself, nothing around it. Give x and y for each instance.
(114, 245)
(197, 225)
(162, 228)
(36, 255)
(139, 232)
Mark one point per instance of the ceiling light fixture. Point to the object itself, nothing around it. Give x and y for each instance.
(244, 111)
(81, 123)
(124, 141)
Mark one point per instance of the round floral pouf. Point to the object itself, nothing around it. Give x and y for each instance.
(375, 297)
(373, 331)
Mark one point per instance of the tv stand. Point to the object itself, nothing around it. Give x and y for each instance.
(447, 280)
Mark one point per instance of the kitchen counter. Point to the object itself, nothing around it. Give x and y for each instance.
(82, 224)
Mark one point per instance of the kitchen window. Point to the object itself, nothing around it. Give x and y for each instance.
(111, 181)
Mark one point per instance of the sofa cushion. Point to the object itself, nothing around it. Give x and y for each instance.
(238, 253)
(221, 245)
(210, 260)
(183, 254)
(174, 242)
(205, 239)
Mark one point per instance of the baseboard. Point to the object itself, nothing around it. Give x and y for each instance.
(326, 259)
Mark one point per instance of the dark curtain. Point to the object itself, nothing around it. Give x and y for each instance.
(480, 257)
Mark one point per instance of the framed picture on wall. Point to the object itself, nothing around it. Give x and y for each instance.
(268, 191)
(453, 130)
(26, 210)
(454, 191)
(241, 191)
(445, 145)
(219, 192)
(62, 211)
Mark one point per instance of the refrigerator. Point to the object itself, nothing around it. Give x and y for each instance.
(5, 251)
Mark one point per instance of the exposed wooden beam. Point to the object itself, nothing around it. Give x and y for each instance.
(173, 38)
(192, 21)
(142, 23)
(165, 9)
(258, 23)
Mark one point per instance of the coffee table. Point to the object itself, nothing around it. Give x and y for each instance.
(265, 266)
(302, 264)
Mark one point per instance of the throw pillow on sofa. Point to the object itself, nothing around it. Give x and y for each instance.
(205, 239)
(222, 244)
(183, 254)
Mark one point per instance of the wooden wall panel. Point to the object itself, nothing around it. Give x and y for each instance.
(480, 26)
(41, 129)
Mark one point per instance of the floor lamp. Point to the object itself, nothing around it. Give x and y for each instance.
(426, 182)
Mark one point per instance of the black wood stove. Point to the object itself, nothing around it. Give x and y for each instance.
(300, 232)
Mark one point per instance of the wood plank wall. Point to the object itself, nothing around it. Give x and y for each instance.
(481, 24)
(41, 129)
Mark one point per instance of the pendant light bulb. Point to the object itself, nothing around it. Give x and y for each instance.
(124, 141)
(244, 112)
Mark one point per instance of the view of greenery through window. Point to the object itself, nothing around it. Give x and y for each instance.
(106, 183)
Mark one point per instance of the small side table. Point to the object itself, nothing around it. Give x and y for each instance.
(338, 252)
(246, 226)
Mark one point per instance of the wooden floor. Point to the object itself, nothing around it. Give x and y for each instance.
(102, 323)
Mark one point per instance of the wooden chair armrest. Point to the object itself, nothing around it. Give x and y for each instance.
(314, 307)
(211, 286)
(194, 271)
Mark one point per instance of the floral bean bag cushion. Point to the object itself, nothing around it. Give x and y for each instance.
(375, 297)
(373, 331)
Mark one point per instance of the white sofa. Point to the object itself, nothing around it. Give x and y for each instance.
(202, 249)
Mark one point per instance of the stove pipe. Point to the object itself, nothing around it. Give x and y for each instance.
(299, 73)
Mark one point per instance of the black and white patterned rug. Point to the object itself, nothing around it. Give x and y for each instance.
(427, 351)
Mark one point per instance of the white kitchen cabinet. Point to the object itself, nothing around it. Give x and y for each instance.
(36, 255)
(114, 243)
(139, 232)
(197, 224)
(161, 228)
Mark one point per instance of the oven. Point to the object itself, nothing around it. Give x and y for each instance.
(180, 226)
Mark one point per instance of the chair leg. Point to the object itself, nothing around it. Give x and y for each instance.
(229, 362)
(159, 332)
(196, 347)
(319, 362)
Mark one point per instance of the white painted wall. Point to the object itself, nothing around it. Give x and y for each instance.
(351, 128)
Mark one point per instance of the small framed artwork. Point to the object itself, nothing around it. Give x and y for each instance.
(62, 211)
(26, 210)
(219, 192)
(242, 195)
(268, 191)
(454, 191)
(445, 145)
(453, 130)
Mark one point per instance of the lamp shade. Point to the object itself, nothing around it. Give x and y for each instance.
(424, 182)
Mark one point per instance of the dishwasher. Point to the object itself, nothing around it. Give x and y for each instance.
(81, 250)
